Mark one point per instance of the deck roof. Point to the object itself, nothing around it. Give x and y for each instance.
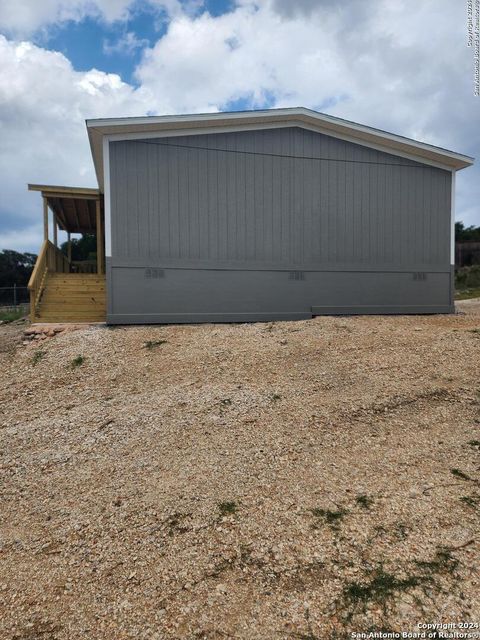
(74, 207)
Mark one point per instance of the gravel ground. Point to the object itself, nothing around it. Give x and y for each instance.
(284, 480)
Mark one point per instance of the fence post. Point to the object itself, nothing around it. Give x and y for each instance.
(14, 294)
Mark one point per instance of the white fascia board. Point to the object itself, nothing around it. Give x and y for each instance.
(199, 117)
(452, 216)
(107, 198)
(151, 135)
(339, 127)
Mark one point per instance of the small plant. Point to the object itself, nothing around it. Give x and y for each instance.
(443, 562)
(151, 344)
(227, 508)
(401, 531)
(467, 278)
(471, 501)
(474, 443)
(379, 588)
(364, 501)
(398, 530)
(37, 356)
(12, 315)
(459, 474)
(276, 396)
(332, 518)
(77, 362)
(174, 523)
(466, 294)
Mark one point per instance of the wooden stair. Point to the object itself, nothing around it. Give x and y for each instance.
(72, 297)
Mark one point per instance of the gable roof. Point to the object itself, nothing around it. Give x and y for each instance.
(159, 126)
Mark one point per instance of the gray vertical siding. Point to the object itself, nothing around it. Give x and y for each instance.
(274, 201)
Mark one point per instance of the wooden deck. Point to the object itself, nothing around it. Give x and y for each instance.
(63, 289)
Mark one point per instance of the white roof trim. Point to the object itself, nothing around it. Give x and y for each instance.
(160, 126)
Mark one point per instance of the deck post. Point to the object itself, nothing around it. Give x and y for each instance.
(55, 237)
(99, 238)
(69, 247)
(45, 218)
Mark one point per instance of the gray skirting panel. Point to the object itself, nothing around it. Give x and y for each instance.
(156, 295)
(381, 310)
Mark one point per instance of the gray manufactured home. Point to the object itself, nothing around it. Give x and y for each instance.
(263, 215)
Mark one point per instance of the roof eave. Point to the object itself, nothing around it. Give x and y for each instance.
(65, 190)
(360, 134)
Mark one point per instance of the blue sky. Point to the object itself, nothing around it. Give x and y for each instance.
(96, 43)
(62, 61)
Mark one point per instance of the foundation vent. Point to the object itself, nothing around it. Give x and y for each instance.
(154, 272)
(296, 275)
(419, 275)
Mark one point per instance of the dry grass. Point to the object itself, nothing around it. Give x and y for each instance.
(283, 480)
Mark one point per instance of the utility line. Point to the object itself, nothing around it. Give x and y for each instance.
(280, 155)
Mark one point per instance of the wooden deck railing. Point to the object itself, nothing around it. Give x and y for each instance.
(50, 259)
(57, 261)
(84, 266)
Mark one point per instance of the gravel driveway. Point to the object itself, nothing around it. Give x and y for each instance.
(285, 480)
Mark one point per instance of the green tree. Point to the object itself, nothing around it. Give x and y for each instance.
(84, 248)
(466, 234)
(15, 268)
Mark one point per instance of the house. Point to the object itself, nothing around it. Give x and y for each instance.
(262, 215)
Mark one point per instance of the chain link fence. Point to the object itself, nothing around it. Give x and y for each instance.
(14, 297)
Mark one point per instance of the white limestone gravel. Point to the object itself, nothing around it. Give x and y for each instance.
(283, 480)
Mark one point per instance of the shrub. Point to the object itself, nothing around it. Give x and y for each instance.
(77, 362)
(467, 277)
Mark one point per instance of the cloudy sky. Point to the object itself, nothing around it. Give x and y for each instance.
(400, 65)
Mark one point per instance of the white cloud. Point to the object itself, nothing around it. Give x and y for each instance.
(21, 18)
(26, 16)
(373, 63)
(126, 44)
(43, 107)
(21, 240)
(195, 66)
